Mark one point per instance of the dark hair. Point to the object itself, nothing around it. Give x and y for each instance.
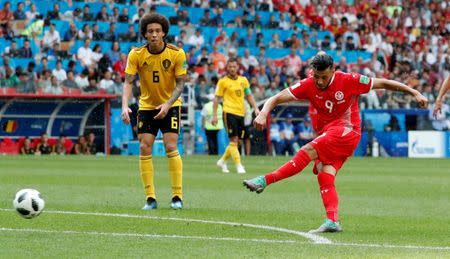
(232, 60)
(322, 62)
(154, 18)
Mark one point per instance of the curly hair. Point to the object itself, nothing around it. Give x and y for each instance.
(154, 18)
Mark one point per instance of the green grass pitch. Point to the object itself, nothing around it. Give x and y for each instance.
(389, 208)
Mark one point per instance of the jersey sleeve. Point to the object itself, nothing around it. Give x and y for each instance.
(220, 89)
(359, 84)
(180, 63)
(132, 63)
(247, 90)
(300, 90)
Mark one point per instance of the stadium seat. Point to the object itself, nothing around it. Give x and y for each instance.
(52, 141)
(8, 146)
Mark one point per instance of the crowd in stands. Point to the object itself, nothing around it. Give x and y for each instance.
(83, 46)
(85, 145)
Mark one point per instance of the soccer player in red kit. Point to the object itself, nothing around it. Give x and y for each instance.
(334, 95)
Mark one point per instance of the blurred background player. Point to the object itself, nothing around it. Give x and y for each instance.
(162, 72)
(233, 88)
(335, 97)
(211, 130)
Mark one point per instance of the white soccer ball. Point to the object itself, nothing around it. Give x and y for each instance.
(28, 203)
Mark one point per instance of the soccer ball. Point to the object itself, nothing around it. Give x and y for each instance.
(28, 203)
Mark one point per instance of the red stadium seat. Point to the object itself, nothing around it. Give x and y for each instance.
(8, 146)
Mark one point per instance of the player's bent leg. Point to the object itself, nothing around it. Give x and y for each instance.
(296, 165)
(146, 169)
(175, 165)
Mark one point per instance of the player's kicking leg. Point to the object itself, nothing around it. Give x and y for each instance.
(296, 165)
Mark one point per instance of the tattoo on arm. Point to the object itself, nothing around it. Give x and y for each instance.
(129, 78)
(178, 89)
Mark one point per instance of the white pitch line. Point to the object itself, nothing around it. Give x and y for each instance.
(314, 238)
(317, 241)
(95, 233)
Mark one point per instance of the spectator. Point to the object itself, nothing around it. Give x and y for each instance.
(197, 38)
(326, 43)
(72, 33)
(272, 23)
(97, 54)
(25, 51)
(276, 138)
(263, 79)
(19, 14)
(92, 87)
(27, 148)
(218, 20)
(6, 14)
(288, 135)
(294, 63)
(82, 79)
(50, 38)
(43, 148)
(59, 148)
(70, 81)
(10, 79)
(85, 32)
(111, 34)
(59, 72)
(115, 52)
(54, 87)
(272, 91)
(106, 83)
(115, 15)
(85, 54)
(117, 87)
(137, 17)
(206, 20)
(275, 42)
(43, 66)
(130, 35)
(80, 148)
(26, 83)
(249, 60)
(12, 51)
(284, 23)
(248, 40)
(72, 15)
(90, 143)
(87, 15)
(8, 31)
(305, 131)
(96, 34)
(54, 14)
(120, 65)
(103, 15)
(124, 17)
(218, 59)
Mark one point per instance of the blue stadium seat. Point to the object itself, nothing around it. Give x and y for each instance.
(165, 10)
(121, 27)
(195, 14)
(229, 15)
(22, 62)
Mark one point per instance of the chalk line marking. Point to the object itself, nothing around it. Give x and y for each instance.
(316, 240)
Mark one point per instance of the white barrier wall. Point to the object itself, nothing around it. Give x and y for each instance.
(426, 144)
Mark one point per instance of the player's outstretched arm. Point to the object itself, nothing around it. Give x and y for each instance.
(441, 97)
(281, 97)
(381, 83)
(180, 80)
(252, 102)
(126, 95)
(214, 119)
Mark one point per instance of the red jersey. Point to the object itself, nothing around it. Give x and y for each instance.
(337, 105)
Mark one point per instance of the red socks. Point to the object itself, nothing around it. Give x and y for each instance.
(293, 167)
(329, 195)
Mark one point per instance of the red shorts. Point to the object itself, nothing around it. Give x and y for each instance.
(334, 146)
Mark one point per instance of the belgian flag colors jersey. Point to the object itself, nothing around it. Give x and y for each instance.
(157, 73)
(233, 92)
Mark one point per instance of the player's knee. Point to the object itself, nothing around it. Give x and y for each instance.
(310, 150)
(145, 148)
(170, 147)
